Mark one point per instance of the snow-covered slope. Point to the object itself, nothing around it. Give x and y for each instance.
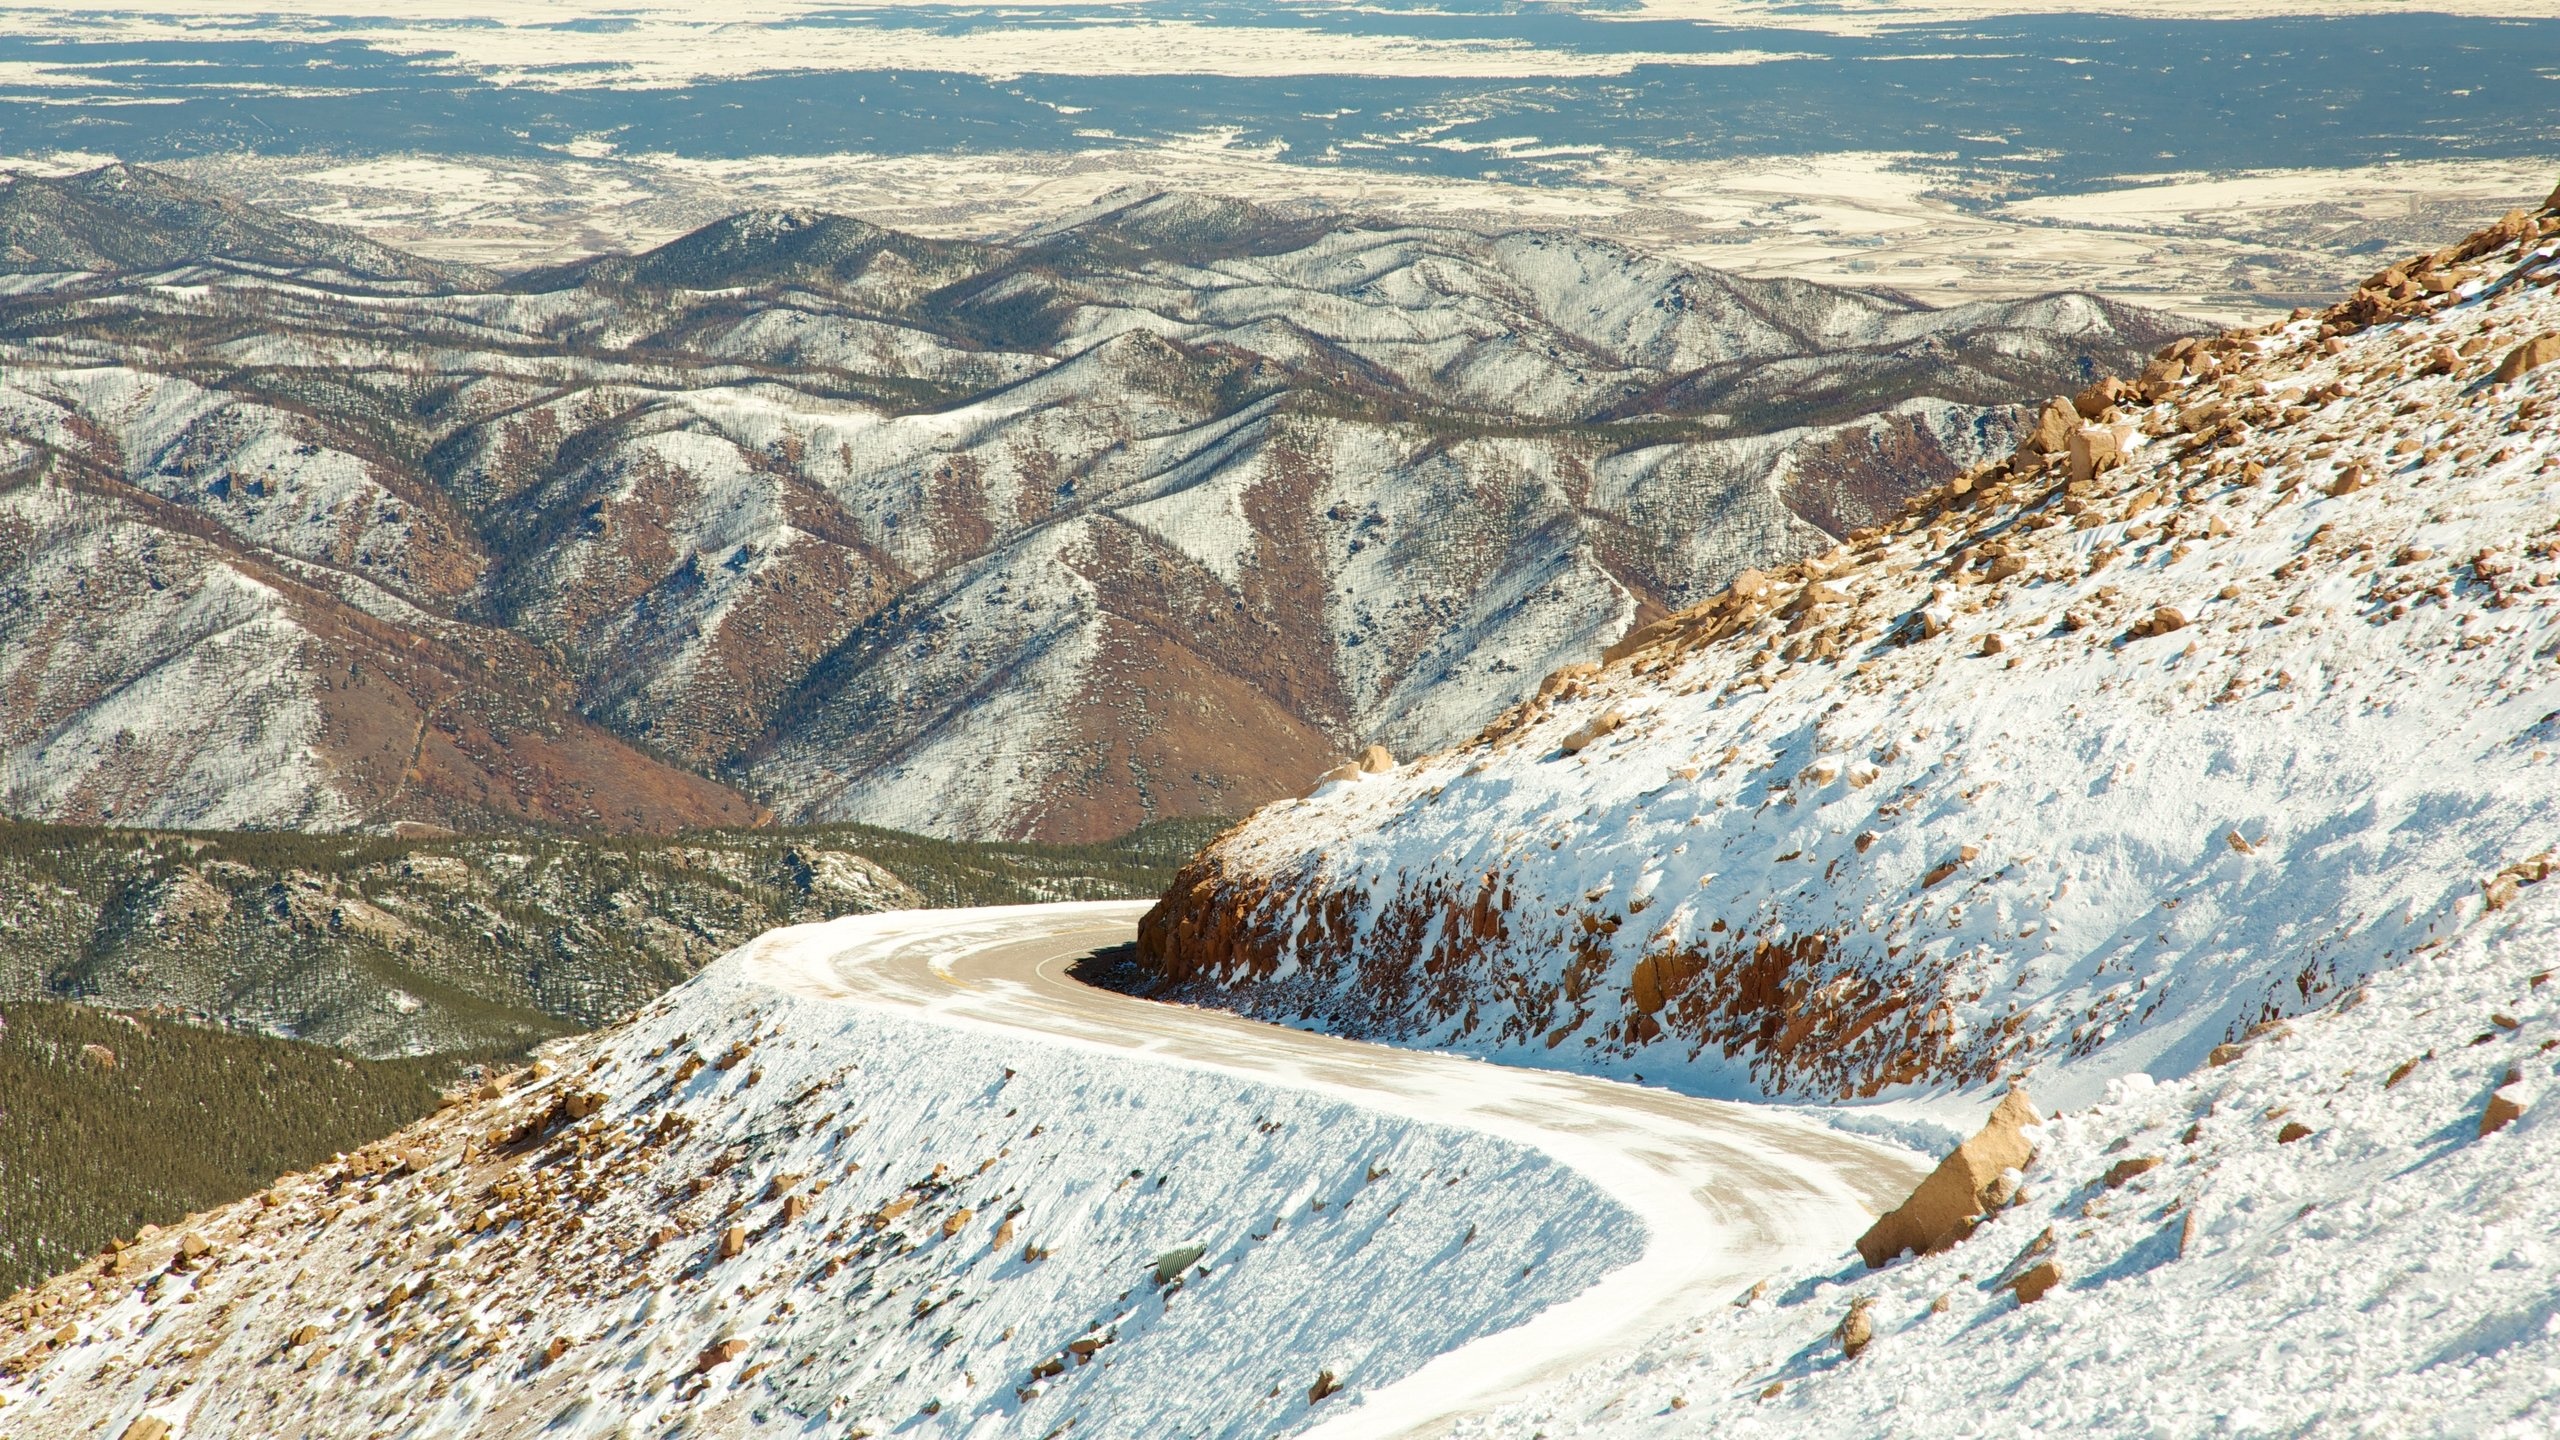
(1157, 514)
(161, 673)
(2314, 1239)
(2084, 768)
(751, 1211)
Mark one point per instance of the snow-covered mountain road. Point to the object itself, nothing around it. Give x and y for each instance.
(1728, 1193)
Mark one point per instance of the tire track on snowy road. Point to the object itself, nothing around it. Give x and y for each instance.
(1728, 1193)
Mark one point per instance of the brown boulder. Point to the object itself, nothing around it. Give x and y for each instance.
(2126, 1169)
(1325, 1385)
(1376, 760)
(1857, 1331)
(99, 1055)
(1947, 1205)
(719, 1352)
(2053, 427)
(1348, 770)
(2094, 450)
(1604, 723)
(733, 1242)
(2504, 1109)
(2530, 356)
(2099, 398)
(2162, 621)
(2036, 1280)
(147, 1427)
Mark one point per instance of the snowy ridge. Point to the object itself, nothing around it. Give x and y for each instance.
(1312, 482)
(2072, 774)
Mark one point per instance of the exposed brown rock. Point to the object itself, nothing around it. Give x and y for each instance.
(1325, 1385)
(2161, 621)
(2530, 356)
(1857, 1330)
(2505, 1107)
(1952, 1200)
(2293, 1130)
(1580, 737)
(2036, 1281)
(2129, 1167)
(2094, 450)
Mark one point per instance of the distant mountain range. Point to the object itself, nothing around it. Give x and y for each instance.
(1154, 514)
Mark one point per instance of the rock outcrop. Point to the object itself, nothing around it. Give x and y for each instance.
(1952, 1201)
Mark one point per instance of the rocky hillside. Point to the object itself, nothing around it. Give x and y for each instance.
(265, 1000)
(1155, 514)
(751, 1213)
(2342, 1228)
(2230, 690)
(487, 945)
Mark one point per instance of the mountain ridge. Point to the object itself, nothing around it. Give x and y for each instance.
(1305, 478)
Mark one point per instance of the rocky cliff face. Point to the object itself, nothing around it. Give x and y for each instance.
(2230, 687)
(1151, 515)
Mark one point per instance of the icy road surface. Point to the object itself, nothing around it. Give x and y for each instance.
(1728, 1193)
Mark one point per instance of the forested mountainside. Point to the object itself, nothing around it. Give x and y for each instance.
(1153, 515)
(185, 1016)
(2231, 688)
(483, 945)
